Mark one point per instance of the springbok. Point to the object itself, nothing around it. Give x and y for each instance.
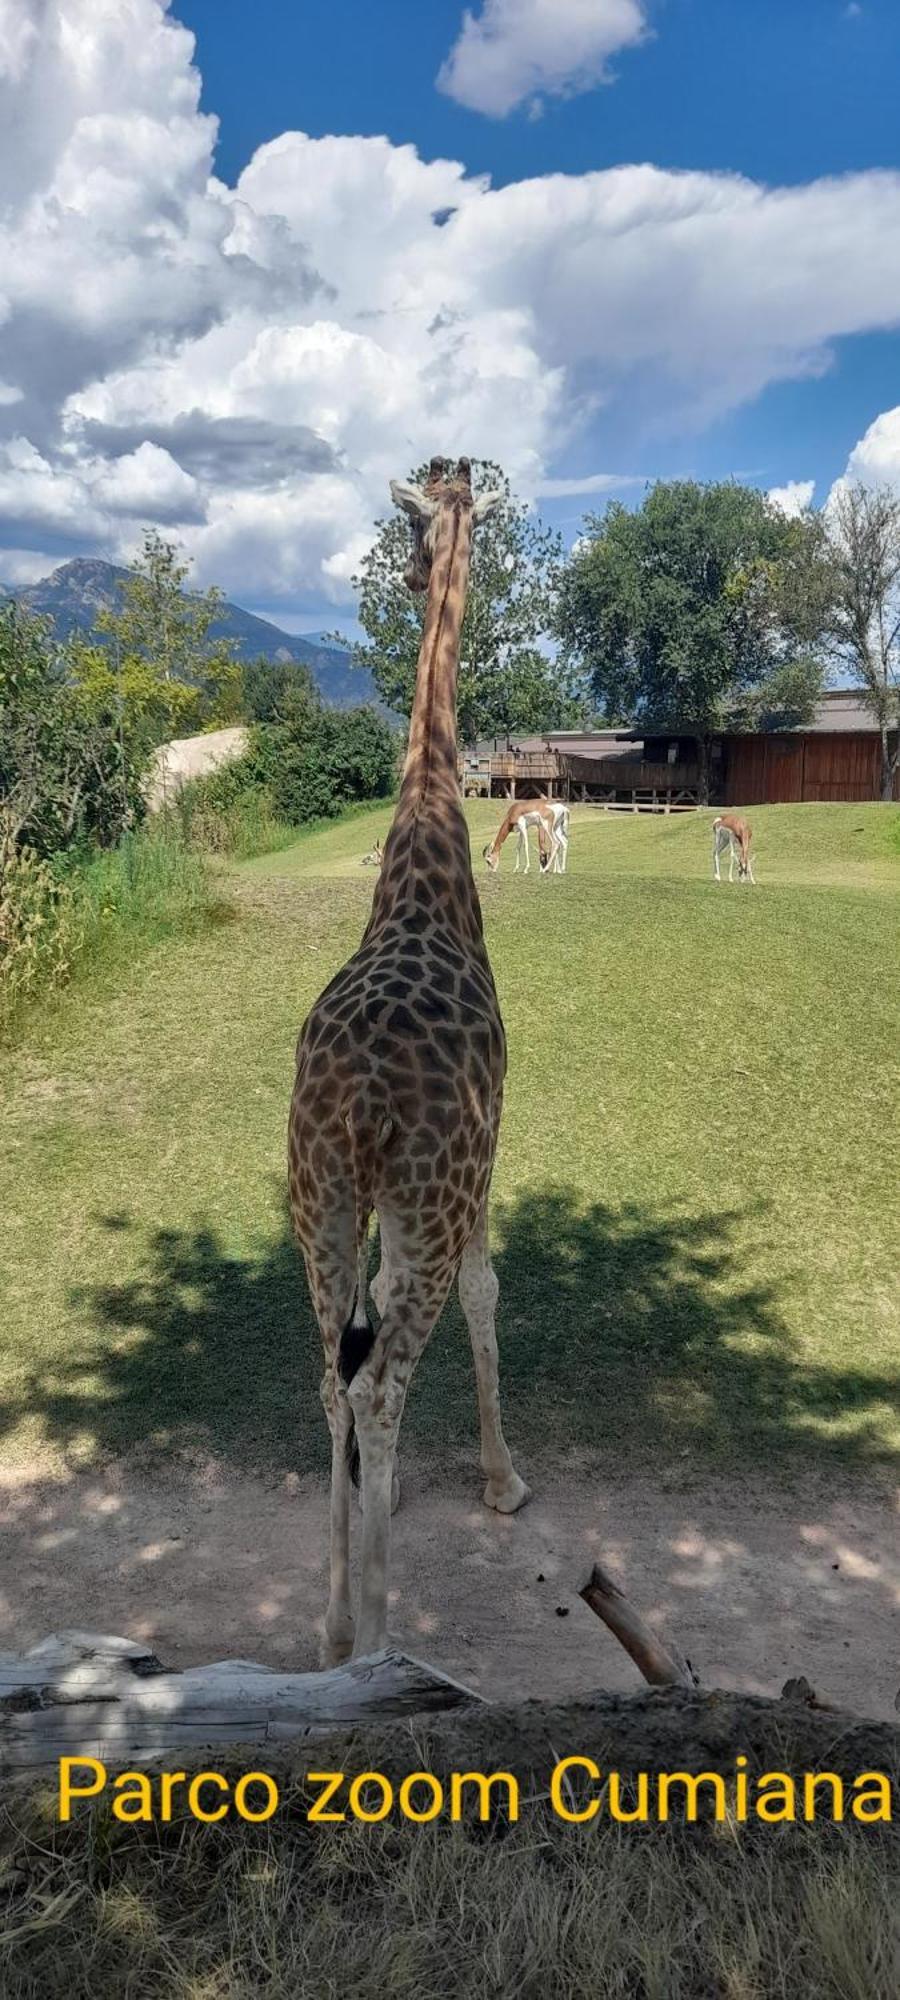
(551, 817)
(730, 831)
(374, 857)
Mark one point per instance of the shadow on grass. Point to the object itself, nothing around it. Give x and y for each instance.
(621, 1331)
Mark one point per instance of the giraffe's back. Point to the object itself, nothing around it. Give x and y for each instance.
(407, 1040)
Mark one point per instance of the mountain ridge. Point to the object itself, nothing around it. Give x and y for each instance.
(73, 593)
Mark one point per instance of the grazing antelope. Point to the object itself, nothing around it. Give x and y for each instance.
(374, 857)
(730, 831)
(551, 819)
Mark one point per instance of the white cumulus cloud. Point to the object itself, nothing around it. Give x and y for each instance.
(875, 460)
(515, 51)
(794, 498)
(251, 365)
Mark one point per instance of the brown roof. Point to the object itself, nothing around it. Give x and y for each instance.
(839, 711)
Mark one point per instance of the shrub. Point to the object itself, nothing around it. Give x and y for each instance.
(62, 917)
(310, 765)
(316, 769)
(40, 933)
(70, 776)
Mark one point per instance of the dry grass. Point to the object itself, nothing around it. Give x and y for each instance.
(289, 1911)
(297, 1911)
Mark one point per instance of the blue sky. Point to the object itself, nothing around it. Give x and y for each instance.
(784, 91)
(242, 358)
(781, 90)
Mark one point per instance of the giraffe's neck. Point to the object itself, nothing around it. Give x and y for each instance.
(430, 773)
(429, 839)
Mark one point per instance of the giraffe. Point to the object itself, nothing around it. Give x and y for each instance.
(397, 1101)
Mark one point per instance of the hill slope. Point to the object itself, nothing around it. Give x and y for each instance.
(74, 593)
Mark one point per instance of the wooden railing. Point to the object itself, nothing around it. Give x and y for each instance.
(531, 764)
(630, 773)
(618, 782)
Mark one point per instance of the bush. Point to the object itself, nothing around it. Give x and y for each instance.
(240, 825)
(311, 765)
(316, 768)
(69, 776)
(40, 936)
(62, 917)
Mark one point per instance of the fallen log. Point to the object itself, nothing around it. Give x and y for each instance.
(86, 1693)
(658, 1660)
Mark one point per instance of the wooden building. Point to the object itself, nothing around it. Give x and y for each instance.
(837, 757)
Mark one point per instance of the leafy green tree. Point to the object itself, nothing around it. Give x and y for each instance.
(507, 680)
(863, 529)
(314, 764)
(162, 659)
(699, 610)
(68, 777)
(269, 684)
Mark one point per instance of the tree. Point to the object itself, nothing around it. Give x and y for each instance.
(270, 684)
(507, 681)
(315, 760)
(697, 611)
(173, 675)
(863, 529)
(67, 775)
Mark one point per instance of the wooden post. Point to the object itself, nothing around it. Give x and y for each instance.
(660, 1663)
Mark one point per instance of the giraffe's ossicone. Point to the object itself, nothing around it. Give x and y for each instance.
(397, 1102)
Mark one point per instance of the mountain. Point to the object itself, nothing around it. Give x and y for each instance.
(73, 594)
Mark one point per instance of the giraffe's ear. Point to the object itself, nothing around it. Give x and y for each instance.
(486, 503)
(413, 501)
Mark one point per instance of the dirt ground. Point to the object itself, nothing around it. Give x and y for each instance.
(755, 1585)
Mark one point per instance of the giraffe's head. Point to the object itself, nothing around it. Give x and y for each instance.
(443, 492)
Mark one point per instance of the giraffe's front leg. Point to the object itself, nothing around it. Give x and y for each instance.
(478, 1293)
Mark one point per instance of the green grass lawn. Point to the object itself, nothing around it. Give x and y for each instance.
(697, 1197)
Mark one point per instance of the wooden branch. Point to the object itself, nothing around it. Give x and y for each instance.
(660, 1663)
(82, 1692)
(799, 1689)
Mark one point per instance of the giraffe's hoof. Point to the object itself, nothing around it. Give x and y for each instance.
(508, 1498)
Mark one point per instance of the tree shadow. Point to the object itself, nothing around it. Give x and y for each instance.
(625, 1333)
(631, 1327)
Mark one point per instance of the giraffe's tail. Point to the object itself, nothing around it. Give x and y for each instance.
(369, 1128)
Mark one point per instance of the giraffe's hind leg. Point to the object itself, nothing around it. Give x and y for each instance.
(331, 1273)
(380, 1289)
(478, 1293)
(378, 1394)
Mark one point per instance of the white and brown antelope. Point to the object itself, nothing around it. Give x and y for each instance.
(730, 831)
(374, 857)
(551, 817)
